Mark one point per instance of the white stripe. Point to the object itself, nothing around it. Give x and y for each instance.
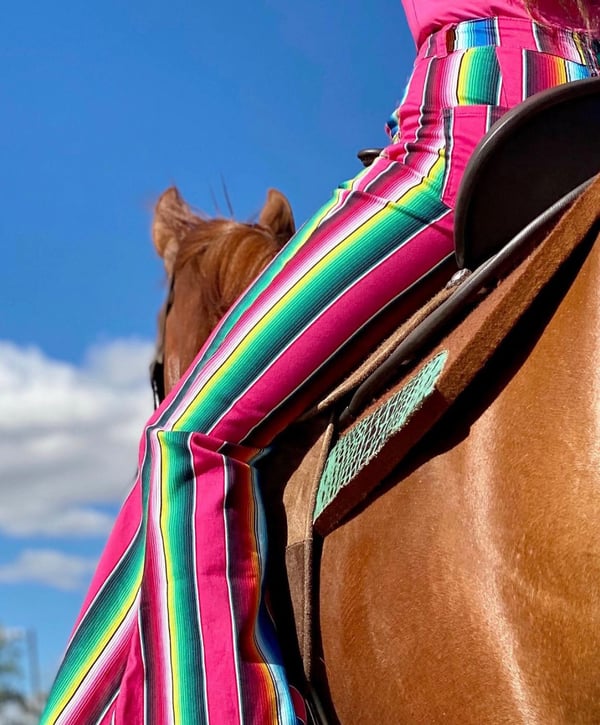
(96, 672)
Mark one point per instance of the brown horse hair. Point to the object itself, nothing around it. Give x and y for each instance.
(581, 8)
(227, 234)
(221, 252)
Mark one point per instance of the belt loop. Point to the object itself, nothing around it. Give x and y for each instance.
(450, 39)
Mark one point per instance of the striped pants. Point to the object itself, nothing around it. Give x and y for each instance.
(174, 628)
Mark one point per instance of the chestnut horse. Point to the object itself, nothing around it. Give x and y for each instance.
(466, 588)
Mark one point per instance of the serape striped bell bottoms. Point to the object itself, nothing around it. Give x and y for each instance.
(174, 628)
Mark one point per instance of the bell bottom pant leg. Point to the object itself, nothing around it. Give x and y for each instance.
(175, 629)
(353, 263)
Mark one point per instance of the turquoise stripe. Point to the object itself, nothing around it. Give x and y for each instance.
(101, 616)
(576, 71)
(476, 33)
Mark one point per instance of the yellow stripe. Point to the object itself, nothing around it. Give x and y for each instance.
(580, 48)
(174, 668)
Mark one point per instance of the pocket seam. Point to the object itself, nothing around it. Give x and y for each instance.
(454, 170)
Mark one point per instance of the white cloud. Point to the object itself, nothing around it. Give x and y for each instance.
(46, 566)
(69, 437)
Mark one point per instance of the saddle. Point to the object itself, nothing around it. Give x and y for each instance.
(528, 198)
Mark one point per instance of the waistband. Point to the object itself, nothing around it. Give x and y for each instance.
(516, 33)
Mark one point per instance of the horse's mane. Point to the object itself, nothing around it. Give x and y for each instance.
(223, 236)
(220, 253)
(209, 262)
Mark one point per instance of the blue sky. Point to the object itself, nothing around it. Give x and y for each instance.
(105, 104)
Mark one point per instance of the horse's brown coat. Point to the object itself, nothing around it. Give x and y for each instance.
(468, 590)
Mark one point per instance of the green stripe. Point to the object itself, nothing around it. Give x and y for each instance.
(177, 528)
(479, 78)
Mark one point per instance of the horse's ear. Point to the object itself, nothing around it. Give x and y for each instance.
(277, 215)
(173, 219)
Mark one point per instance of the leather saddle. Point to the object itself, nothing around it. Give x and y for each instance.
(529, 159)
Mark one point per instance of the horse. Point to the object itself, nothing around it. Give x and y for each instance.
(464, 587)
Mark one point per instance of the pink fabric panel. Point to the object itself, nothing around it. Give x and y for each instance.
(213, 590)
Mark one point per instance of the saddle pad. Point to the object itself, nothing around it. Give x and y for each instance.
(355, 450)
(378, 441)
